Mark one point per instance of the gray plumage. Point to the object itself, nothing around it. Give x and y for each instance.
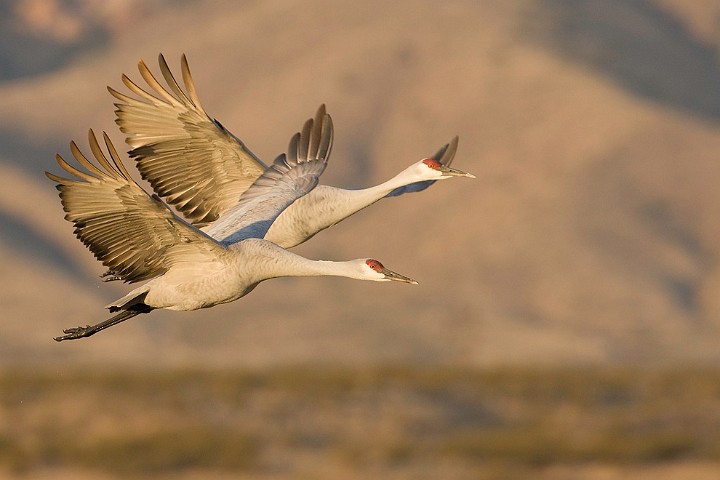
(199, 167)
(139, 238)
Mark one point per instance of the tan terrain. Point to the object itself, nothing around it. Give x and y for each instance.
(589, 238)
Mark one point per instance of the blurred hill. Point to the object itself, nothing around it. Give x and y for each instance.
(589, 237)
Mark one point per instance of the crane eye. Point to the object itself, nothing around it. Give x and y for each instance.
(432, 163)
(375, 265)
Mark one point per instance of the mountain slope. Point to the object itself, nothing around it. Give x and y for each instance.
(590, 235)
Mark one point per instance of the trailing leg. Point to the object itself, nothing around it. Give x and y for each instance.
(86, 331)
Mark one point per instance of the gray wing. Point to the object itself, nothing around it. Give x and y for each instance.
(132, 233)
(188, 158)
(287, 179)
(445, 156)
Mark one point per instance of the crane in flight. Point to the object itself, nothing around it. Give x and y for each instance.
(139, 238)
(198, 166)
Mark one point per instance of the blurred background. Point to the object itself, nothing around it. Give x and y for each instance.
(567, 320)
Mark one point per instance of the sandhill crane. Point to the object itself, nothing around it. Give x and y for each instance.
(201, 168)
(139, 238)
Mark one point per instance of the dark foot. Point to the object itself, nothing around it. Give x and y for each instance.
(77, 332)
(109, 276)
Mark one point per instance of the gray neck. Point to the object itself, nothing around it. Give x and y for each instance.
(272, 261)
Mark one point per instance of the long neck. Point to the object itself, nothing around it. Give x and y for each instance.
(325, 206)
(373, 194)
(313, 268)
(347, 202)
(273, 261)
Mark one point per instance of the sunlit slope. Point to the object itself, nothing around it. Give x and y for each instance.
(590, 234)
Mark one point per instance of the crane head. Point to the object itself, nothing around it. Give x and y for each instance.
(438, 171)
(374, 270)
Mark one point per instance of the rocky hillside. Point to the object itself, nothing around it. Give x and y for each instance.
(590, 235)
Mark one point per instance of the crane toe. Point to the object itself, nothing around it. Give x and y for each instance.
(73, 333)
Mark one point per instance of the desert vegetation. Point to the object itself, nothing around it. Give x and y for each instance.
(358, 422)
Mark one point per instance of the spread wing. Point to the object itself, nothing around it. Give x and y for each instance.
(287, 179)
(189, 158)
(445, 156)
(132, 233)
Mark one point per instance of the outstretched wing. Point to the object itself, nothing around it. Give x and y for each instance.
(133, 234)
(287, 179)
(189, 158)
(445, 156)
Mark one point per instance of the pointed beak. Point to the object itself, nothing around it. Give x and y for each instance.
(453, 172)
(390, 275)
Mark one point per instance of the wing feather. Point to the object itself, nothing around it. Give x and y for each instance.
(172, 83)
(132, 233)
(189, 84)
(188, 158)
(289, 177)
